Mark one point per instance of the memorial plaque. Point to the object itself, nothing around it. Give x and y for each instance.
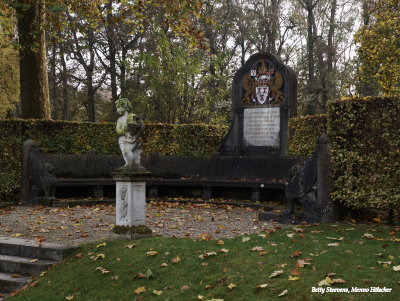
(261, 127)
(263, 100)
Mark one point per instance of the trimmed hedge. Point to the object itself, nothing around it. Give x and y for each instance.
(365, 134)
(100, 138)
(304, 133)
(365, 137)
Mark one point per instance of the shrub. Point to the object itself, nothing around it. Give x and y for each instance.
(303, 134)
(60, 137)
(365, 135)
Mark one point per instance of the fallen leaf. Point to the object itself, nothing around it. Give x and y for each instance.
(283, 293)
(231, 286)
(70, 297)
(185, 288)
(34, 284)
(220, 242)
(204, 264)
(114, 277)
(101, 255)
(15, 276)
(338, 280)
(276, 274)
(33, 260)
(262, 285)
(290, 235)
(293, 278)
(205, 236)
(43, 273)
(334, 238)
(348, 251)
(101, 245)
(158, 293)
(327, 281)
(152, 253)
(295, 273)
(39, 240)
(296, 254)
(396, 268)
(140, 290)
(200, 297)
(301, 263)
(164, 264)
(79, 255)
(334, 244)
(368, 235)
(244, 239)
(140, 276)
(177, 259)
(130, 246)
(223, 251)
(149, 274)
(257, 248)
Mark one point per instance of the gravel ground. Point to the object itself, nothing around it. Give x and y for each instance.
(83, 224)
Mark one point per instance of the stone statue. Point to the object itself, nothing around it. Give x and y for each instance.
(41, 173)
(129, 127)
(301, 188)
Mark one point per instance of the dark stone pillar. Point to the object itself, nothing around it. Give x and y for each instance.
(27, 147)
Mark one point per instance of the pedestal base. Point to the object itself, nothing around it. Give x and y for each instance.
(130, 197)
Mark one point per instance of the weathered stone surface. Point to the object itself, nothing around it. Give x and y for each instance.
(37, 174)
(310, 185)
(130, 197)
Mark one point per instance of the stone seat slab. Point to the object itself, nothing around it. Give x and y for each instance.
(176, 182)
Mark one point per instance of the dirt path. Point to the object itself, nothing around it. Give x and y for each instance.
(82, 224)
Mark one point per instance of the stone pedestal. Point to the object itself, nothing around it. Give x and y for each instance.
(130, 196)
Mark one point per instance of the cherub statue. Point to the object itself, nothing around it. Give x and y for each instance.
(129, 127)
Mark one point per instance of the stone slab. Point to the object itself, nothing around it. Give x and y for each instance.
(10, 284)
(29, 248)
(23, 265)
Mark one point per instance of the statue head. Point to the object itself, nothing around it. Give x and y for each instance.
(123, 105)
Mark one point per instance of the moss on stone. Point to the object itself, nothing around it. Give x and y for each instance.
(141, 230)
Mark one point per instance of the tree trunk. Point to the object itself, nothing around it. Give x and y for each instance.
(273, 31)
(64, 80)
(34, 84)
(112, 53)
(310, 43)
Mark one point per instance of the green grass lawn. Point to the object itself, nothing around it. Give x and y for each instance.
(363, 256)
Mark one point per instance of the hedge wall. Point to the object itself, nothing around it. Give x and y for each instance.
(365, 134)
(303, 134)
(99, 138)
(365, 137)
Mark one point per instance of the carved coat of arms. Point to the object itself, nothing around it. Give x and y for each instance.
(262, 86)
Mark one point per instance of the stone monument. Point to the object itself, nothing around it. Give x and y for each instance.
(264, 98)
(37, 175)
(130, 178)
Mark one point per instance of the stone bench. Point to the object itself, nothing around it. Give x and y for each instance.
(206, 189)
(256, 179)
